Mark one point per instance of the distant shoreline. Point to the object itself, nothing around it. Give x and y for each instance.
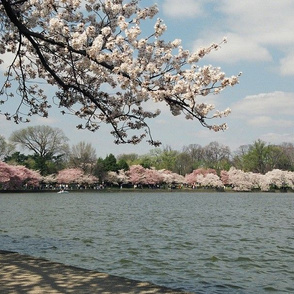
(143, 190)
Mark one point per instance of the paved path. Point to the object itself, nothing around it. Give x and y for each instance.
(26, 274)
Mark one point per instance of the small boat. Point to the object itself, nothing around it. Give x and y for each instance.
(62, 191)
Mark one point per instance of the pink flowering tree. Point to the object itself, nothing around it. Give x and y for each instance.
(197, 175)
(85, 48)
(5, 172)
(224, 176)
(17, 177)
(88, 180)
(69, 176)
(152, 177)
(136, 174)
(75, 176)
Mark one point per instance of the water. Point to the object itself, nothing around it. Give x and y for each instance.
(204, 243)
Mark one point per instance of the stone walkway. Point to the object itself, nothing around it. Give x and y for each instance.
(26, 274)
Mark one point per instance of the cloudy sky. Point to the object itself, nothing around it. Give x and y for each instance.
(260, 36)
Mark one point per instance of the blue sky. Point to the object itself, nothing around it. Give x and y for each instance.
(260, 36)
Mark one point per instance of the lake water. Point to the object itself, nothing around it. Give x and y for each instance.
(200, 242)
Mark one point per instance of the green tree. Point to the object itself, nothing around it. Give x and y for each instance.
(110, 163)
(257, 158)
(17, 158)
(164, 158)
(131, 158)
(146, 161)
(122, 164)
(100, 170)
(183, 164)
(46, 143)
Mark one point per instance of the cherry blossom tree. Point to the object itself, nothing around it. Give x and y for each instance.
(136, 174)
(240, 180)
(4, 174)
(210, 180)
(224, 176)
(192, 178)
(103, 66)
(152, 177)
(17, 176)
(280, 179)
(69, 176)
(171, 178)
(49, 180)
(204, 178)
(264, 182)
(113, 178)
(88, 180)
(76, 176)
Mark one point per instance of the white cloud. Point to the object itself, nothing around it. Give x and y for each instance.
(265, 104)
(238, 48)
(256, 30)
(46, 120)
(261, 121)
(178, 9)
(277, 138)
(266, 121)
(269, 22)
(287, 65)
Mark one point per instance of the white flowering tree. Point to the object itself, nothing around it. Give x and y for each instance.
(103, 66)
(210, 180)
(239, 180)
(280, 179)
(170, 177)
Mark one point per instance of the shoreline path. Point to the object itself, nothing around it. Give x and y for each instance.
(27, 274)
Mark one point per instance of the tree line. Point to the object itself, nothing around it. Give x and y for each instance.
(49, 152)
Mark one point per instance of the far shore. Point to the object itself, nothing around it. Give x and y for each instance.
(145, 190)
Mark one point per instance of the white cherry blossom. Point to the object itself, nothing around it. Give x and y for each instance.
(85, 47)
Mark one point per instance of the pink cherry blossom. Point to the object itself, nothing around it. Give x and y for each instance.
(17, 176)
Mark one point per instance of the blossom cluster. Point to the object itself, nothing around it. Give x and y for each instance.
(71, 176)
(248, 181)
(86, 47)
(16, 176)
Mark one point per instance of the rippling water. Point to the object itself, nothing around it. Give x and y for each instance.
(204, 243)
